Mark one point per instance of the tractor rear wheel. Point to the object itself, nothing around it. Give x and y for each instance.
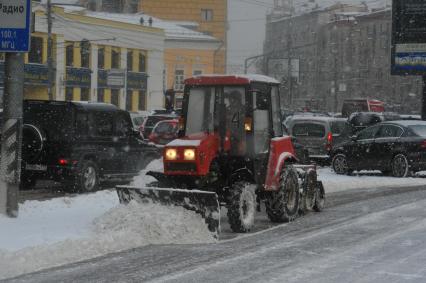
(283, 205)
(242, 208)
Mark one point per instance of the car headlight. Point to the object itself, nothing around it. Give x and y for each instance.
(171, 154)
(189, 154)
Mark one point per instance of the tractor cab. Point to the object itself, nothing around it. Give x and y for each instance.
(228, 122)
(231, 151)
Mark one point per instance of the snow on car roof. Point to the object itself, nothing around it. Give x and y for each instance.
(230, 79)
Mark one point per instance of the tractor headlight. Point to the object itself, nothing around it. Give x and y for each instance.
(171, 154)
(189, 154)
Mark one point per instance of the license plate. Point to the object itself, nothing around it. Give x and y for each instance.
(36, 167)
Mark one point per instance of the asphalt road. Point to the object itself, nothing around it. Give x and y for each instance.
(368, 235)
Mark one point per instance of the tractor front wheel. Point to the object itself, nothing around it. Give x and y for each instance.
(242, 208)
(283, 205)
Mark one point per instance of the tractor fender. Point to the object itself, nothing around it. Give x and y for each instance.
(275, 167)
(242, 174)
(284, 158)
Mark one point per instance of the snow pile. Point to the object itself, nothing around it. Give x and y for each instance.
(142, 180)
(148, 223)
(337, 183)
(64, 230)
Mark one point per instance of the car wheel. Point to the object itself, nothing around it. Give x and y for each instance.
(87, 179)
(340, 164)
(400, 166)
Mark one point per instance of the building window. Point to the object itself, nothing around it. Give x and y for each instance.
(85, 54)
(101, 95)
(115, 59)
(130, 61)
(101, 58)
(179, 78)
(2, 56)
(69, 94)
(115, 95)
(70, 55)
(36, 51)
(85, 93)
(142, 63)
(129, 100)
(142, 100)
(207, 15)
(197, 72)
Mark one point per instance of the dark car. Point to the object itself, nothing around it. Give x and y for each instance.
(79, 144)
(150, 122)
(397, 148)
(164, 132)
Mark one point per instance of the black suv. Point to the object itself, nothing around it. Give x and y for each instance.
(80, 144)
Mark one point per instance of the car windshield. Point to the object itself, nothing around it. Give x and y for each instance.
(153, 120)
(308, 130)
(137, 121)
(419, 130)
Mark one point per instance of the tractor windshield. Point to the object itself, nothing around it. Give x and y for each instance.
(200, 110)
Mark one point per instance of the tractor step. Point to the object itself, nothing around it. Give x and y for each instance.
(204, 203)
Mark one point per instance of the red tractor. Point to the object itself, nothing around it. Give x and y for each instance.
(232, 151)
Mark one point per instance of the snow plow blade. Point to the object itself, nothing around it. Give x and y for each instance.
(204, 203)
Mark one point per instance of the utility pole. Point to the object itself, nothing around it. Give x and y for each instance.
(14, 40)
(290, 54)
(49, 51)
(12, 129)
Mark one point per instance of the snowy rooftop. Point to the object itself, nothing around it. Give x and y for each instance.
(172, 29)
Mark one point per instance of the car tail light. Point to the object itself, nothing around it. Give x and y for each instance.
(329, 144)
(63, 161)
(423, 144)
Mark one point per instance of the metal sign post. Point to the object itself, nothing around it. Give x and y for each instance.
(409, 41)
(15, 22)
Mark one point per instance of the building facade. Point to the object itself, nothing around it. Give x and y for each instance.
(210, 18)
(96, 60)
(340, 52)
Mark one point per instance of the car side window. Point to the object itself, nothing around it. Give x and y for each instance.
(368, 133)
(102, 123)
(389, 131)
(82, 124)
(122, 125)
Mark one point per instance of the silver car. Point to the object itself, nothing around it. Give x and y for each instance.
(318, 134)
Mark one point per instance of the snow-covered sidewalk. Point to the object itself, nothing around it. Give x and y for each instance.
(63, 230)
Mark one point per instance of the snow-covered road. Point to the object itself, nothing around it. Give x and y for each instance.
(68, 229)
(364, 236)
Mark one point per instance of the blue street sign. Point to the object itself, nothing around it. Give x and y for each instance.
(15, 22)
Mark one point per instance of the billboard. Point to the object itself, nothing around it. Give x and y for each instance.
(408, 37)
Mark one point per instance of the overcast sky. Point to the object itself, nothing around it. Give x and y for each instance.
(246, 34)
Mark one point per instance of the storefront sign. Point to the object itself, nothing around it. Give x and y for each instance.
(136, 81)
(35, 74)
(116, 78)
(78, 77)
(409, 37)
